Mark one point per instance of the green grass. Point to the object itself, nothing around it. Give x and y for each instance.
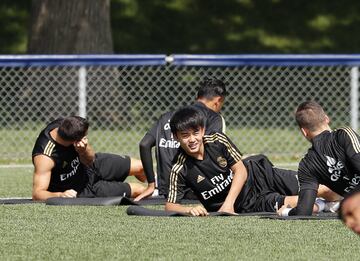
(40, 232)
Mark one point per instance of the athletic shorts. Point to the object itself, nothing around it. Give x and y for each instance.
(269, 185)
(107, 175)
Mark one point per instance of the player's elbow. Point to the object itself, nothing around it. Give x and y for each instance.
(36, 196)
(169, 206)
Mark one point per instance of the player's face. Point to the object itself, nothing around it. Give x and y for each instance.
(351, 212)
(191, 141)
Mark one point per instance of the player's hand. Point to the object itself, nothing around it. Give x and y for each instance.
(284, 210)
(80, 146)
(227, 209)
(147, 192)
(70, 193)
(198, 211)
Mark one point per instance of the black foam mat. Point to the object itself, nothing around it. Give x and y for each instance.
(16, 201)
(142, 211)
(108, 201)
(158, 200)
(321, 216)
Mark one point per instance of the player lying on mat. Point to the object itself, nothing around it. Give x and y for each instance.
(213, 168)
(65, 165)
(333, 159)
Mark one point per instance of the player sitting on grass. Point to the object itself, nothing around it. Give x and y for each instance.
(213, 168)
(333, 159)
(65, 165)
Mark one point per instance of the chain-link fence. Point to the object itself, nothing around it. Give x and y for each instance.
(122, 101)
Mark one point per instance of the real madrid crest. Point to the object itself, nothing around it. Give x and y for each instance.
(222, 162)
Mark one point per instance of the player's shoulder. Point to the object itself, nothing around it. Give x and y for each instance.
(345, 131)
(44, 144)
(178, 161)
(215, 137)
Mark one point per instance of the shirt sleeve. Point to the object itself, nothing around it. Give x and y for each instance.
(349, 140)
(307, 179)
(145, 146)
(177, 183)
(308, 191)
(305, 203)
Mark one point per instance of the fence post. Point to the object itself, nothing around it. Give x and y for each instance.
(354, 97)
(82, 91)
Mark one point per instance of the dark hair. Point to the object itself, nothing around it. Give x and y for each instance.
(310, 115)
(73, 128)
(186, 118)
(210, 88)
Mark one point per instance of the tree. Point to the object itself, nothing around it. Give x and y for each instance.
(70, 27)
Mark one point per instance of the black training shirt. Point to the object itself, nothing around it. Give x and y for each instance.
(68, 172)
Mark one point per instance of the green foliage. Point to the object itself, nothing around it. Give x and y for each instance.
(235, 26)
(14, 18)
(212, 26)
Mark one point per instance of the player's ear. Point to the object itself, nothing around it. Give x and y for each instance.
(218, 102)
(327, 119)
(304, 132)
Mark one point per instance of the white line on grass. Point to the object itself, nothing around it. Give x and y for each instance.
(13, 166)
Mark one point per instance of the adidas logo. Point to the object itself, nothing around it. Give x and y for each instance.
(200, 178)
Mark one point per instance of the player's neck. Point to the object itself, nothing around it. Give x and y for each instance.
(313, 134)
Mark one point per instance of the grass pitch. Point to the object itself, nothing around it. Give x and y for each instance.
(40, 232)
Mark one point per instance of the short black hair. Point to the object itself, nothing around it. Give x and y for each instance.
(310, 115)
(73, 128)
(185, 118)
(210, 88)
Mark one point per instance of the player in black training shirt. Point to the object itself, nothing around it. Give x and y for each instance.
(65, 165)
(210, 98)
(213, 168)
(333, 159)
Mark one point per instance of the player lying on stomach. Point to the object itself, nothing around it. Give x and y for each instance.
(213, 168)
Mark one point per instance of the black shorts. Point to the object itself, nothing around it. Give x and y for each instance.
(269, 185)
(107, 175)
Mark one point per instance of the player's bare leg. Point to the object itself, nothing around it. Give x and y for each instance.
(137, 170)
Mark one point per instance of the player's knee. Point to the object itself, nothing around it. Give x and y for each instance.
(136, 167)
(328, 194)
(136, 189)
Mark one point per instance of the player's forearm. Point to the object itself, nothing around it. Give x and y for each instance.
(146, 158)
(239, 179)
(235, 189)
(42, 195)
(177, 208)
(305, 204)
